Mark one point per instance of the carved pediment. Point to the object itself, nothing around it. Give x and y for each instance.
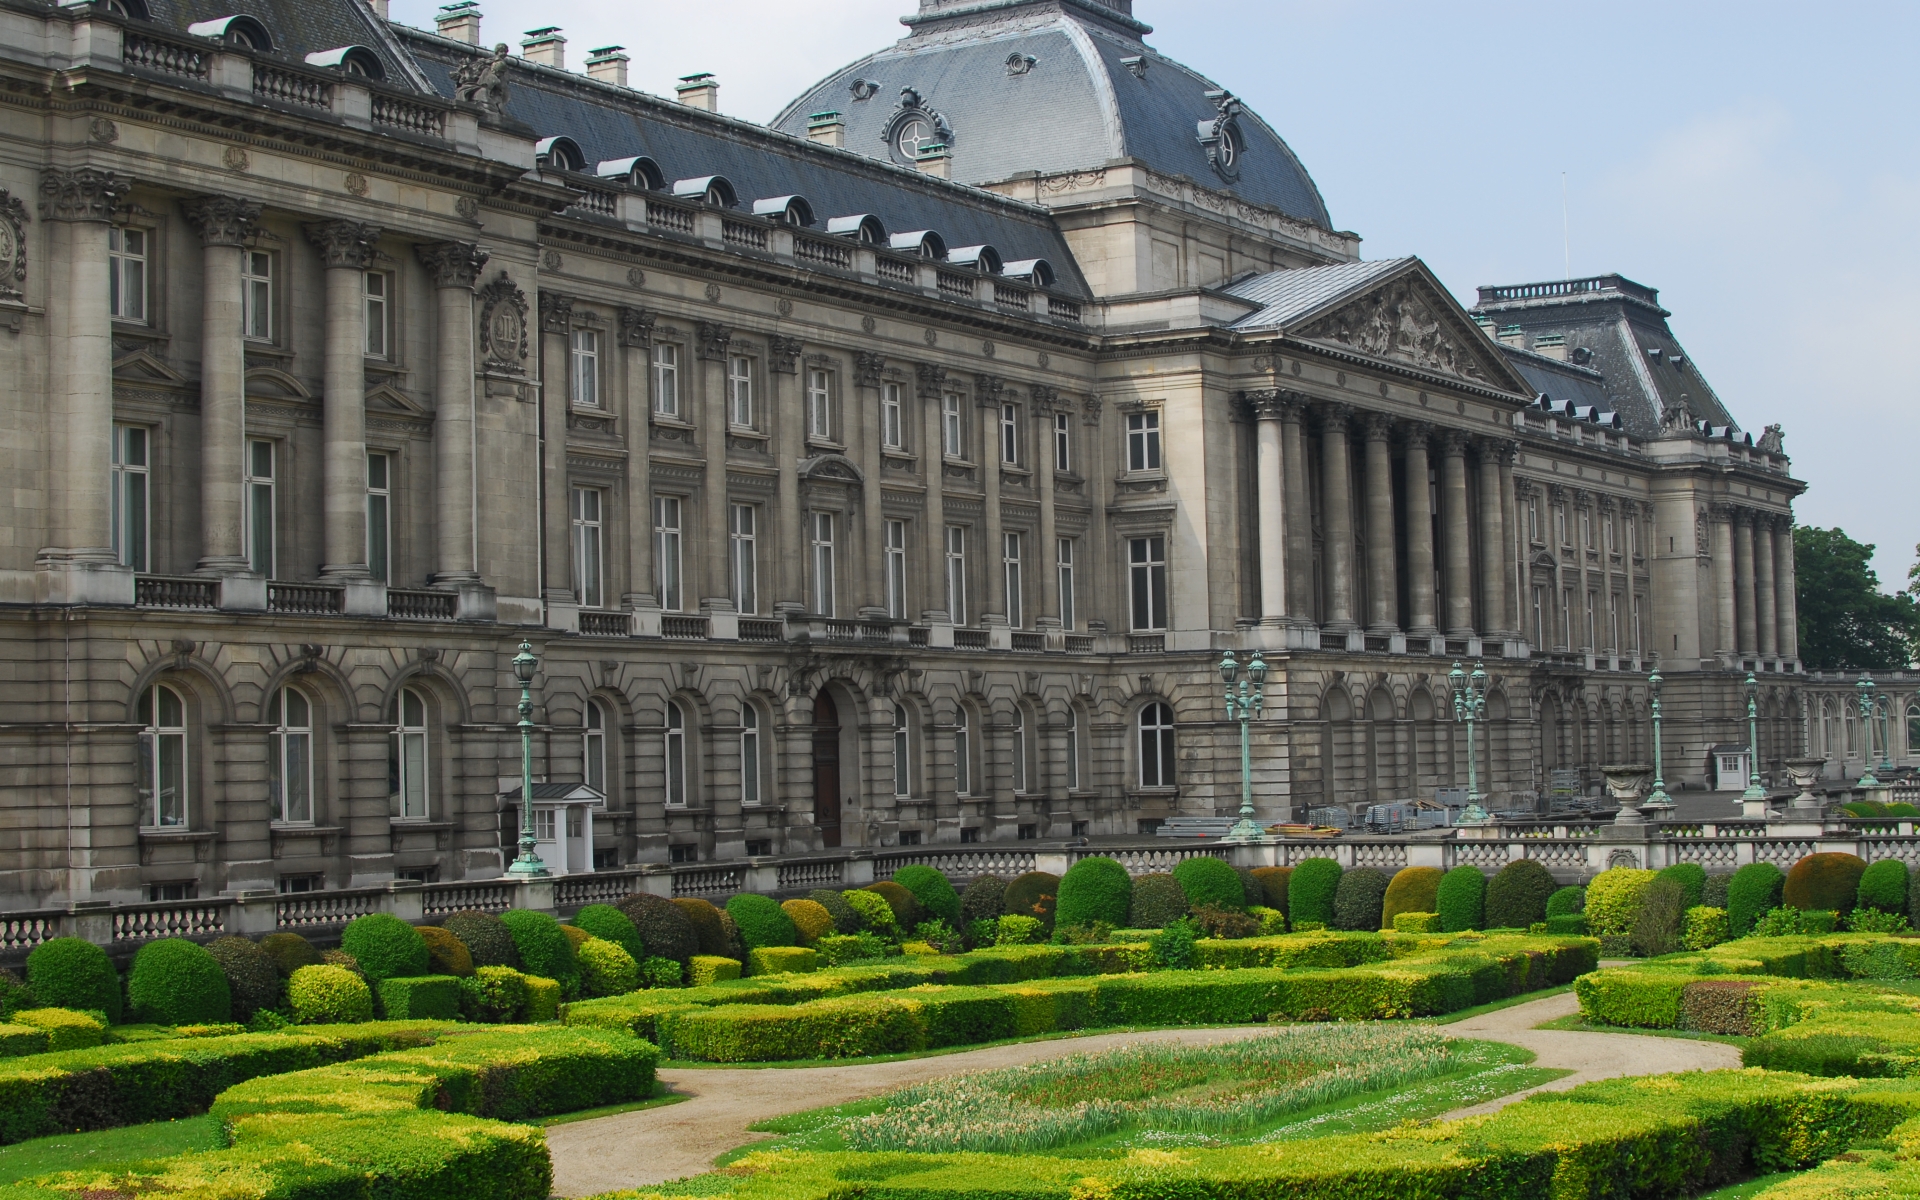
(1406, 320)
(143, 367)
(837, 468)
(388, 399)
(272, 381)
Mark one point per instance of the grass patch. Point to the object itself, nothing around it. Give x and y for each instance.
(1577, 1023)
(1752, 1187)
(1496, 1005)
(109, 1148)
(660, 1099)
(1065, 1035)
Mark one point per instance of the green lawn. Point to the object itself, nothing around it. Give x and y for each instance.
(1577, 1023)
(660, 1099)
(1752, 1187)
(108, 1148)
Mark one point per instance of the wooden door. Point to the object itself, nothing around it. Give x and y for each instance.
(826, 770)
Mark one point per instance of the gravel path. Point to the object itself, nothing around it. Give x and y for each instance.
(638, 1149)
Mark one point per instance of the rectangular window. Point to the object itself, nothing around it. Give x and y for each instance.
(1633, 537)
(593, 749)
(820, 405)
(380, 516)
(744, 561)
(952, 444)
(376, 288)
(587, 547)
(256, 295)
(902, 754)
(962, 759)
(1533, 518)
(666, 552)
(675, 744)
(132, 496)
(957, 574)
(1147, 580)
(127, 280)
(1566, 618)
(1560, 523)
(1009, 433)
(822, 531)
(1062, 442)
(1063, 549)
(666, 380)
(1586, 528)
(543, 825)
(1639, 647)
(260, 508)
(1613, 622)
(1143, 441)
(1593, 627)
(896, 554)
(1010, 567)
(1019, 763)
(893, 423)
(407, 757)
(1073, 751)
(749, 755)
(584, 362)
(740, 391)
(1540, 617)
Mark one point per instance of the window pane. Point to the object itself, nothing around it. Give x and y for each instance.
(666, 380)
(171, 773)
(172, 712)
(299, 776)
(414, 774)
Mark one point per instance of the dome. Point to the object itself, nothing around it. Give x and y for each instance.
(1053, 86)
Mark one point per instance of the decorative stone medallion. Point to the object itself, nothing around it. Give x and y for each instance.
(636, 277)
(356, 183)
(236, 158)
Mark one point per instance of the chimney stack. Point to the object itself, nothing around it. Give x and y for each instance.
(608, 65)
(936, 159)
(460, 21)
(546, 47)
(379, 8)
(701, 91)
(827, 129)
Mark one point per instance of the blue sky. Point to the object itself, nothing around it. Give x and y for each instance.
(1755, 162)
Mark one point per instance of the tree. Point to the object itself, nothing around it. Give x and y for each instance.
(1846, 621)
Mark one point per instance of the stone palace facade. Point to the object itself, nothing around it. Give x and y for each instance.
(889, 476)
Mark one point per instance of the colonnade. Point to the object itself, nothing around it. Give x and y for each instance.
(1753, 551)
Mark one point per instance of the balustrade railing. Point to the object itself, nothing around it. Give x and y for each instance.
(711, 881)
(393, 112)
(1063, 310)
(670, 217)
(305, 599)
(181, 919)
(168, 58)
(164, 591)
(292, 87)
(754, 630)
(952, 283)
(318, 910)
(605, 624)
(820, 874)
(406, 604)
(823, 253)
(894, 270)
(681, 628)
(439, 899)
(740, 233)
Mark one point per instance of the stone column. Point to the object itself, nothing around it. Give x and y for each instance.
(80, 206)
(454, 268)
(225, 223)
(556, 325)
(1743, 590)
(862, 420)
(1726, 613)
(636, 338)
(1515, 591)
(1766, 618)
(1336, 503)
(1493, 536)
(1420, 611)
(346, 247)
(1786, 601)
(710, 566)
(931, 386)
(1458, 544)
(1270, 503)
(988, 392)
(1383, 583)
(1297, 513)
(787, 544)
(1046, 556)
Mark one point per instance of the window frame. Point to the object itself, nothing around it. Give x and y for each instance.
(674, 751)
(1073, 748)
(1064, 564)
(953, 428)
(740, 398)
(1063, 443)
(257, 322)
(593, 747)
(902, 753)
(376, 310)
(1013, 589)
(894, 554)
(750, 756)
(166, 759)
(1144, 450)
(743, 557)
(119, 260)
(128, 479)
(288, 734)
(962, 753)
(262, 490)
(820, 414)
(1018, 759)
(583, 368)
(669, 578)
(666, 380)
(893, 417)
(586, 514)
(821, 532)
(1010, 434)
(1157, 745)
(1147, 583)
(415, 737)
(955, 555)
(380, 516)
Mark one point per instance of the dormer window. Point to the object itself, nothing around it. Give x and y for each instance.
(637, 171)
(785, 210)
(560, 153)
(864, 228)
(242, 31)
(712, 190)
(1036, 271)
(922, 243)
(984, 259)
(357, 61)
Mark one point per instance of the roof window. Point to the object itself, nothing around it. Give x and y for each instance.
(1036, 271)
(787, 210)
(713, 190)
(922, 242)
(637, 171)
(240, 30)
(560, 153)
(864, 228)
(984, 259)
(352, 60)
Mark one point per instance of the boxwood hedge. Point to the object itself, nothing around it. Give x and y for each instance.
(1094, 889)
(1411, 890)
(1825, 882)
(1754, 889)
(1209, 880)
(1311, 890)
(385, 946)
(1357, 899)
(1517, 895)
(665, 929)
(1158, 901)
(762, 922)
(71, 972)
(486, 937)
(608, 923)
(933, 890)
(176, 982)
(1460, 900)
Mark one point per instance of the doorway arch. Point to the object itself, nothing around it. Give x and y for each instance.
(826, 769)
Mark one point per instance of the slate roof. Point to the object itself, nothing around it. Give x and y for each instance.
(1561, 382)
(1287, 296)
(300, 28)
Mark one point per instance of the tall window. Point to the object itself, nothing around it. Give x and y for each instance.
(132, 496)
(666, 552)
(893, 423)
(593, 747)
(896, 555)
(1062, 442)
(1613, 622)
(743, 560)
(1639, 647)
(290, 773)
(1533, 518)
(1010, 570)
(1073, 749)
(740, 391)
(163, 758)
(902, 750)
(127, 280)
(376, 290)
(587, 547)
(380, 516)
(1147, 581)
(1560, 523)
(1593, 627)
(749, 754)
(1540, 616)
(957, 574)
(256, 295)
(820, 405)
(1009, 433)
(407, 781)
(1913, 727)
(1063, 553)
(821, 525)
(1019, 750)
(666, 380)
(962, 754)
(952, 443)
(260, 507)
(1143, 441)
(676, 754)
(1156, 746)
(584, 359)
(1586, 528)
(1633, 536)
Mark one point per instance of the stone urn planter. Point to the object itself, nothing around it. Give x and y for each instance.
(1626, 784)
(1802, 773)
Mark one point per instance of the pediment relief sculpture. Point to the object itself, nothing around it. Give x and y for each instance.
(1399, 322)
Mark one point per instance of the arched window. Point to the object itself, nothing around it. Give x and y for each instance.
(1073, 750)
(1156, 746)
(1913, 727)
(1851, 712)
(962, 755)
(676, 751)
(290, 773)
(902, 753)
(1019, 750)
(407, 781)
(749, 754)
(594, 747)
(163, 758)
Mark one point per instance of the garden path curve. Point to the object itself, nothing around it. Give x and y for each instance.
(638, 1149)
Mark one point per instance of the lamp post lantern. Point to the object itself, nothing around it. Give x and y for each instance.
(528, 864)
(1754, 791)
(1470, 705)
(1658, 797)
(1867, 713)
(1243, 706)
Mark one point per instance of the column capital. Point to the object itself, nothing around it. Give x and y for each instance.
(715, 339)
(932, 380)
(1334, 414)
(451, 264)
(1044, 399)
(221, 220)
(1453, 443)
(1272, 404)
(783, 354)
(1557, 492)
(1090, 411)
(636, 328)
(867, 368)
(556, 312)
(1415, 433)
(82, 194)
(1720, 511)
(1379, 426)
(1744, 516)
(347, 245)
(987, 390)
(1607, 502)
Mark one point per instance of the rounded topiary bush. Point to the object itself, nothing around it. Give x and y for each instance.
(810, 919)
(1358, 897)
(875, 913)
(907, 910)
(1660, 917)
(608, 923)
(664, 926)
(846, 918)
(708, 931)
(1567, 902)
(487, 939)
(1755, 890)
(576, 936)
(1158, 901)
(606, 969)
(1311, 891)
(176, 982)
(1252, 892)
(1273, 886)
(1692, 878)
(1517, 895)
(340, 958)
(1613, 900)
(70, 972)
(1094, 889)
(762, 922)
(984, 900)
(1883, 887)
(385, 947)
(1033, 895)
(735, 947)
(1824, 883)
(289, 952)
(544, 948)
(1461, 900)
(1207, 880)
(446, 954)
(1412, 889)
(328, 995)
(252, 980)
(933, 890)
(1713, 893)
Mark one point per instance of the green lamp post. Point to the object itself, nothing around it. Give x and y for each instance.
(1470, 705)
(1658, 797)
(1867, 713)
(1244, 706)
(528, 864)
(1754, 790)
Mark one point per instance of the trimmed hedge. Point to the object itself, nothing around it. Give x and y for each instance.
(1703, 928)
(420, 998)
(708, 931)
(1411, 890)
(385, 947)
(907, 910)
(1662, 912)
(762, 922)
(494, 995)
(664, 927)
(1613, 899)
(487, 939)
(289, 952)
(1208, 880)
(1517, 895)
(606, 969)
(846, 918)
(1824, 883)
(1416, 922)
(1033, 895)
(1273, 882)
(608, 923)
(1094, 889)
(711, 968)
(933, 890)
(1461, 899)
(810, 918)
(875, 913)
(1357, 899)
(1692, 878)
(1158, 901)
(1754, 889)
(1566, 902)
(446, 954)
(984, 900)
(252, 979)
(544, 950)
(328, 995)
(1310, 891)
(61, 1029)
(782, 960)
(71, 972)
(1883, 887)
(176, 982)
